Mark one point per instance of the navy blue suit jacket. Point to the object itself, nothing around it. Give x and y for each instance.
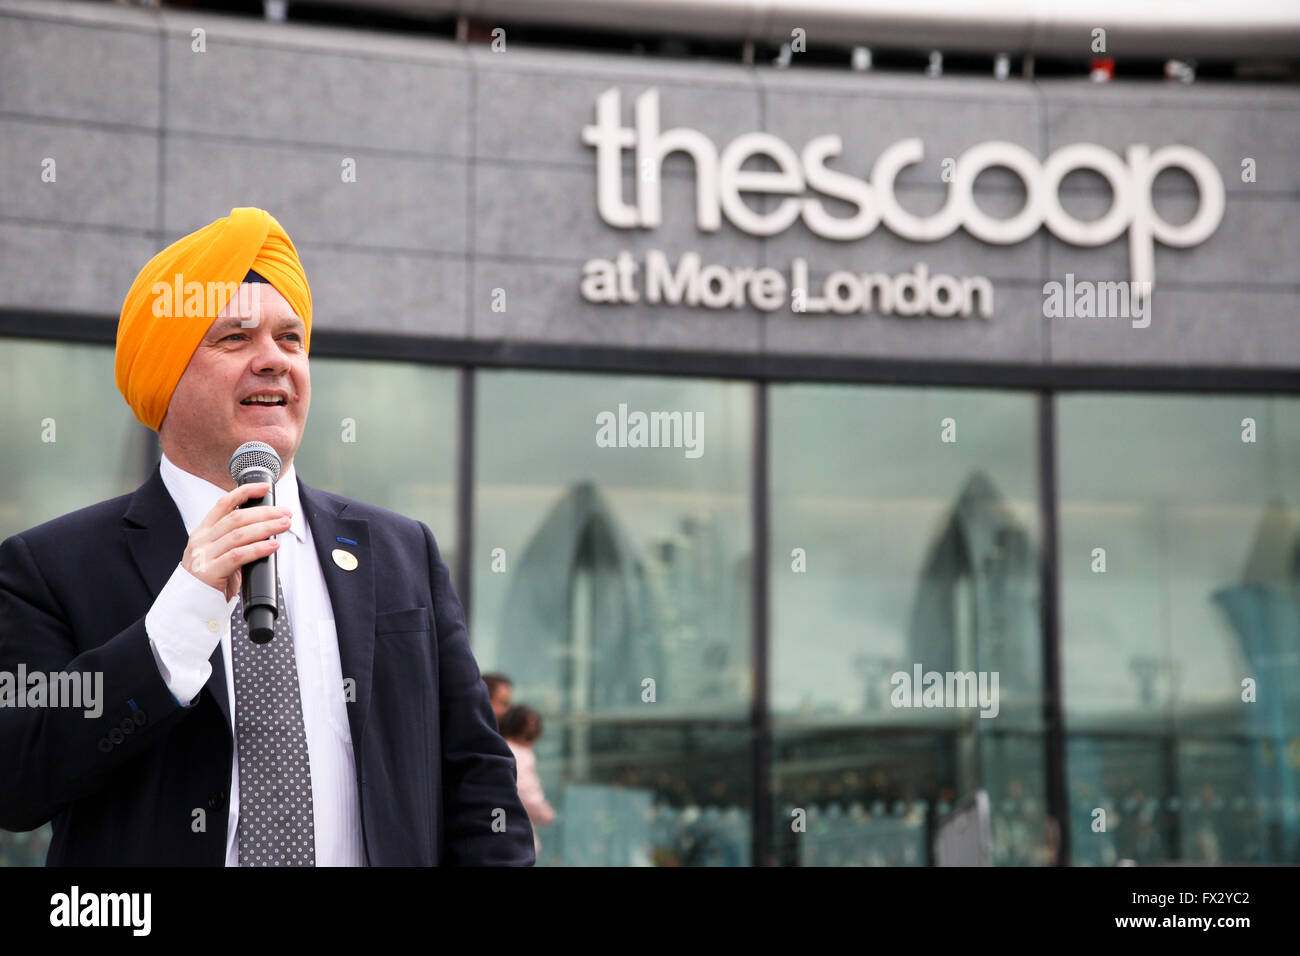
(436, 781)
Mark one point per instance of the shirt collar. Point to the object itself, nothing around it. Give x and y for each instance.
(195, 496)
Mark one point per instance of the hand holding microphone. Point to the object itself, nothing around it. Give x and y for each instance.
(232, 549)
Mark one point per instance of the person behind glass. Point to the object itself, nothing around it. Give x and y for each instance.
(521, 726)
(499, 690)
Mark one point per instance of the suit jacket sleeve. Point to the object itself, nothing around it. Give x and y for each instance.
(478, 770)
(50, 756)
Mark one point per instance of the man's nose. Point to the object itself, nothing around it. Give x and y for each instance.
(267, 355)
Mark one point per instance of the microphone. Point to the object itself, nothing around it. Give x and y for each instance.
(252, 462)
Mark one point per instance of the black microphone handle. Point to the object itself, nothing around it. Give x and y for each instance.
(258, 586)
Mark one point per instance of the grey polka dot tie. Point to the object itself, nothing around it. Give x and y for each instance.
(275, 808)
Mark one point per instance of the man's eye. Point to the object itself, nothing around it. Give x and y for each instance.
(240, 335)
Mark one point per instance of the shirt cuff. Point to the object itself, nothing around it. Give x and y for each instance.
(185, 625)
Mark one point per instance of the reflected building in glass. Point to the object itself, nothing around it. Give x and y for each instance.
(613, 586)
(1180, 626)
(1263, 609)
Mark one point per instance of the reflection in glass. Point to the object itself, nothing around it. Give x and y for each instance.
(68, 446)
(579, 614)
(386, 433)
(612, 584)
(1181, 625)
(1263, 609)
(65, 447)
(905, 603)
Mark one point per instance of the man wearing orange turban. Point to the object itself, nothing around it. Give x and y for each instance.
(182, 289)
(360, 733)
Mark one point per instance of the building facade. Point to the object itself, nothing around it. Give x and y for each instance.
(758, 411)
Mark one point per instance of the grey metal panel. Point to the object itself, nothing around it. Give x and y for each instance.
(98, 68)
(587, 63)
(304, 37)
(1226, 124)
(357, 290)
(547, 110)
(1188, 327)
(78, 269)
(240, 88)
(102, 176)
(396, 202)
(1013, 334)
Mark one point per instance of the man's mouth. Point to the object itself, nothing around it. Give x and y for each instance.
(266, 401)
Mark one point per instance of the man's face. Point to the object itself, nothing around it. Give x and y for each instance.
(501, 700)
(254, 346)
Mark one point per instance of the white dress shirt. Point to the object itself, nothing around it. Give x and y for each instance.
(189, 618)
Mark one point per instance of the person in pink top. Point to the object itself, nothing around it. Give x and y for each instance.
(521, 726)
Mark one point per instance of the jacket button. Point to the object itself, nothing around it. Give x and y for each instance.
(105, 744)
(140, 718)
(216, 799)
(116, 736)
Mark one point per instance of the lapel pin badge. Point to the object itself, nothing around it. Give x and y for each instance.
(344, 559)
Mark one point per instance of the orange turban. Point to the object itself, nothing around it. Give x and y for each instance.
(181, 290)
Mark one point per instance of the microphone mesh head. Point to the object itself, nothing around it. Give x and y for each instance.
(257, 457)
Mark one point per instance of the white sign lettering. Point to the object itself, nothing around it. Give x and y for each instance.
(800, 177)
(713, 286)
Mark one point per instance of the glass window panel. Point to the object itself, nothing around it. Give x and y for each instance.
(599, 568)
(69, 441)
(905, 539)
(386, 433)
(1193, 503)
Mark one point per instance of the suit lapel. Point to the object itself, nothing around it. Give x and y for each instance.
(155, 534)
(352, 595)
